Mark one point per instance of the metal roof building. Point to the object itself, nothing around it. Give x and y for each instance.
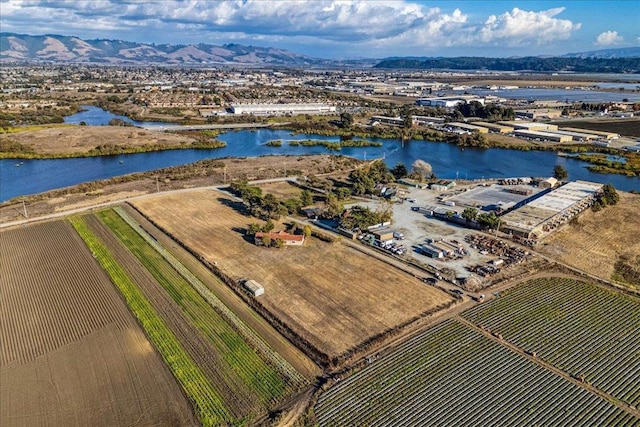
(281, 109)
(543, 215)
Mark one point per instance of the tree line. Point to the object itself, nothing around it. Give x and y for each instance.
(530, 63)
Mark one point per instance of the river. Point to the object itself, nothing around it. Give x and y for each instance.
(448, 161)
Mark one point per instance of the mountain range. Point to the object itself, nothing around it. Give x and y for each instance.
(69, 49)
(51, 48)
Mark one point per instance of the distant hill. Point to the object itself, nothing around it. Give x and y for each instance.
(625, 52)
(531, 63)
(68, 49)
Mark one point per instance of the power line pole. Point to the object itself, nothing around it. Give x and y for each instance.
(157, 185)
(24, 206)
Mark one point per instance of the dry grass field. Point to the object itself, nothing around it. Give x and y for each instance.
(81, 139)
(596, 241)
(328, 293)
(281, 189)
(70, 353)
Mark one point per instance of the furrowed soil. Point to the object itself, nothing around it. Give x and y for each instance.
(195, 343)
(601, 243)
(328, 293)
(71, 353)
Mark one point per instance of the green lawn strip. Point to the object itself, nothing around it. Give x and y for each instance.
(208, 404)
(242, 360)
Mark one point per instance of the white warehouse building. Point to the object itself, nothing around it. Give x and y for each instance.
(281, 109)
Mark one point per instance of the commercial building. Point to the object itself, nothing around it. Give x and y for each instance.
(543, 136)
(494, 127)
(467, 127)
(522, 125)
(282, 109)
(546, 213)
(539, 113)
(578, 136)
(607, 135)
(448, 101)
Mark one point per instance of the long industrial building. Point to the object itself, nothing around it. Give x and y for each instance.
(544, 136)
(282, 109)
(543, 215)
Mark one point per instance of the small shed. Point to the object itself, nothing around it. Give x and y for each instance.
(548, 183)
(383, 235)
(255, 288)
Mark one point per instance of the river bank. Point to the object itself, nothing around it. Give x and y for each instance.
(199, 174)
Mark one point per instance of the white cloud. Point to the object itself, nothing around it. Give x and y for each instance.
(609, 38)
(519, 27)
(353, 24)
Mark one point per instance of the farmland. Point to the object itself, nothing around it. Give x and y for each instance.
(252, 372)
(229, 373)
(71, 354)
(588, 331)
(354, 298)
(454, 375)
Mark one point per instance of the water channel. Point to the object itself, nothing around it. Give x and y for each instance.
(22, 177)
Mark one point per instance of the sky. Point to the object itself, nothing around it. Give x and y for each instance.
(343, 28)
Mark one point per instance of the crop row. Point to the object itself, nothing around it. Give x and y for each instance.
(240, 367)
(588, 331)
(453, 375)
(208, 404)
(266, 352)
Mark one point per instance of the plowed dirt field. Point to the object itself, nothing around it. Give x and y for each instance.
(70, 353)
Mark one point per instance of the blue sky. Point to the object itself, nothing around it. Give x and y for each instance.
(343, 28)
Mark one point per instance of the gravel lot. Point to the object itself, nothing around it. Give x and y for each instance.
(418, 227)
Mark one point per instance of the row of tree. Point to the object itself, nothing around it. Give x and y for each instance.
(268, 206)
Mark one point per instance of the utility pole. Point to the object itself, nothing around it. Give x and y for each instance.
(224, 175)
(157, 185)
(25, 210)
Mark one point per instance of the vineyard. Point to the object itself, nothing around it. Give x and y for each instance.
(70, 351)
(586, 330)
(453, 375)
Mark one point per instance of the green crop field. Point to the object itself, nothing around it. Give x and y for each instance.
(207, 402)
(588, 331)
(454, 375)
(249, 373)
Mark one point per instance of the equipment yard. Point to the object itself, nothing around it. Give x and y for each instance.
(356, 297)
(71, 353)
